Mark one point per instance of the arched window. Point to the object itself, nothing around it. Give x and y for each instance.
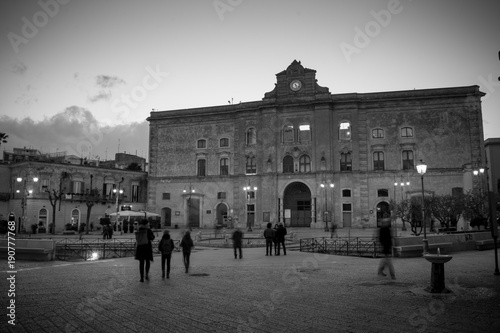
(251, 136)
(224, 166)
(75, 217)
(288, 164)
(288, 135)
(304, 163)
(42, 217)
(345, 131)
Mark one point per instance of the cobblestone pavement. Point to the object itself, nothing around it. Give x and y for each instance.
(299, 292)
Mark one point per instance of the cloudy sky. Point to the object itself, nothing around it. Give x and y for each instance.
(83, 76)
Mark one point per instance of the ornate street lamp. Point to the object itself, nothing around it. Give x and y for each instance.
(326, 214)
(421, 169)
(118, 192)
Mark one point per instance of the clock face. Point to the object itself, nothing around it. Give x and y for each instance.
(295, 85)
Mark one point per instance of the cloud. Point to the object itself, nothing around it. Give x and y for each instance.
(76, 132)
(105, 84)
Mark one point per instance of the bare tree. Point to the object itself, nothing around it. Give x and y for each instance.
(447, 209)
(3, 138)
(56, 196)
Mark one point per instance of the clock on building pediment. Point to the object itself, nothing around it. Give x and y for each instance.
(295, 82)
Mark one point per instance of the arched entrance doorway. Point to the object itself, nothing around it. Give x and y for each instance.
(221, 214)
(383, 212)
(166, 216)
(297, 198)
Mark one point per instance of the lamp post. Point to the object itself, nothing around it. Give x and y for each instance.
(24, 200)
(249, 194)
(421, 169)
(326, 214)
(117, 192)
(189, 190)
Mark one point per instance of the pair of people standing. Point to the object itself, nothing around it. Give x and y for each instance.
(277, 237)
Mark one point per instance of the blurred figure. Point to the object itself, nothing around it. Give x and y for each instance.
(280, 238)
(186, 245)
(237, 239)
(385, 239)
(144, 248)
(166, 247)
(269, 235)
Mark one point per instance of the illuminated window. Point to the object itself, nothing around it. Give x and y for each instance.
(304, 133)
(345, 131)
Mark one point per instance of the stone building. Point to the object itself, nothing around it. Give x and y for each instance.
(308, 157)
(24, 186)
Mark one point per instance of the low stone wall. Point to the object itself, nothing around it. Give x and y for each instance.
(459, 241)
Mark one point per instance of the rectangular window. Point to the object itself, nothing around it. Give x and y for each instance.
(377, 133)
(251, 167)
(250, 195)
(45, 184)
(135, 193)
(345, 162)
(345, 131)
(202, 168)
(288, 133)
(224, 167)
(378, 161)
(346, 207)
(346, 193)
(304, 133)
(383, 193)
(221, 195)
(224, 142)
(202, 143)
(77, 187)
(251, 136)
(406, 132)
(408, 163)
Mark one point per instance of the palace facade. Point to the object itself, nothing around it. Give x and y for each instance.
(307, 157)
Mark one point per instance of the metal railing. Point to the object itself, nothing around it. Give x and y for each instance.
(364, 247)
(70, 249)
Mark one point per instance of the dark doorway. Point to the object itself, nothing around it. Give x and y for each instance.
(221, 214)
(297, 198)
(193, 213)
(383, 212)
(166, 215)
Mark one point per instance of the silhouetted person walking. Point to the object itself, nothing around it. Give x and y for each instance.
(186, 245)
(144, 248)
(166, 247)
(237, 239)
(385, 239)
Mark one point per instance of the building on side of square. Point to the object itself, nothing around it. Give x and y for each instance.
(75, 182)
(307, 157)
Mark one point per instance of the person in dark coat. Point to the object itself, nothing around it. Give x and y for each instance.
(269, 235)
(186, 245)
(144, 248)
(237, 239)
(280, 238)
(385, 239)
(166, 247)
